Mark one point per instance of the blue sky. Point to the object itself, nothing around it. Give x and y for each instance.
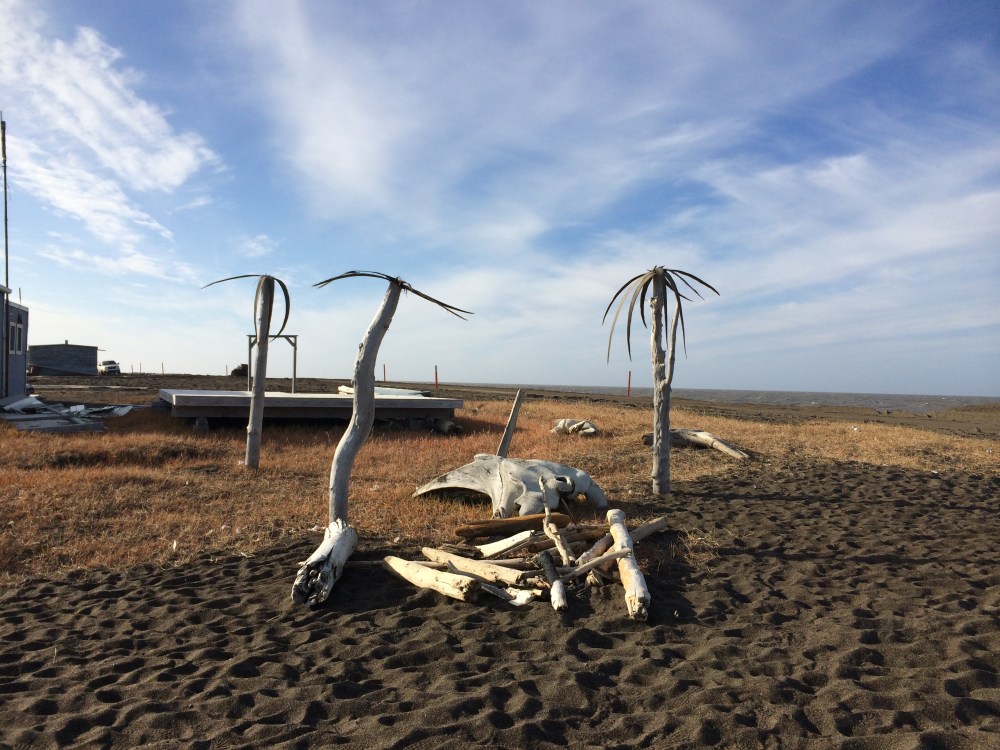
(833, 169)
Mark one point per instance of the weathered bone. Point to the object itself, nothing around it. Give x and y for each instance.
(321, 570)
(698, 438)
(574, 427)
(517, 597)
(530, 485)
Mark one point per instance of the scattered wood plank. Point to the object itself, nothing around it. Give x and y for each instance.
(495, 526)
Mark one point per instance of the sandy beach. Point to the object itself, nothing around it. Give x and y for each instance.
(841, 605)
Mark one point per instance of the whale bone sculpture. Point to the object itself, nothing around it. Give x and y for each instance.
(530, 485)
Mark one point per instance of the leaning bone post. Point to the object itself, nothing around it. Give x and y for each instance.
(459, 587)
(557, 592)
(508, 433)
(636, 594)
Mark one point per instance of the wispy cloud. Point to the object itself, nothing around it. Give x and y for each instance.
(86, 140)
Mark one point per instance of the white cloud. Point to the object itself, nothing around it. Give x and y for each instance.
(257, 246)
(86, 142)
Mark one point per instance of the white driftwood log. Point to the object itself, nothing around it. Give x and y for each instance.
(557, 590)
(459, 587)
(317, 574)
(490, 572)
(636, 593)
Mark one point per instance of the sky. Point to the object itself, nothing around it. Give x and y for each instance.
(832, 169)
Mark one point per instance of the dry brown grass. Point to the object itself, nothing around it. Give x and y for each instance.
(149, 490)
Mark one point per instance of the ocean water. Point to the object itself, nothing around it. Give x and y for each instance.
(917, 404)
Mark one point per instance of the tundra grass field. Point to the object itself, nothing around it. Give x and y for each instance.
(150, 491)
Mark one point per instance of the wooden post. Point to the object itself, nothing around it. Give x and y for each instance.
(385, 378)
(436, 386)
(636, 593)
(628, 390)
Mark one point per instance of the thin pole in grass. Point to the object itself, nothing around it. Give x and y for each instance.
(263, 305)
(318, 574)
(664, 282)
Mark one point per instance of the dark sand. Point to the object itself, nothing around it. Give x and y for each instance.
(848, 605)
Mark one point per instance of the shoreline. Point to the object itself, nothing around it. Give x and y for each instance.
(977, 420)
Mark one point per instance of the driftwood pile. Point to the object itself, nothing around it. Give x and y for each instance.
(547, 552)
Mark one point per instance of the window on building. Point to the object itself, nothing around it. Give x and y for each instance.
(20, 339)
(11, 334)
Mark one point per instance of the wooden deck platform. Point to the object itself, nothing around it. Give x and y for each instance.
(278, 405)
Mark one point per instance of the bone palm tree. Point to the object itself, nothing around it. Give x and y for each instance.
(263, 305)
(664, 282)
(318, 574)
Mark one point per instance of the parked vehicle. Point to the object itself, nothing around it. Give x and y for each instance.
(108, 367)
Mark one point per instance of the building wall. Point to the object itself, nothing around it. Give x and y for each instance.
(16, 346)
(62, 359)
